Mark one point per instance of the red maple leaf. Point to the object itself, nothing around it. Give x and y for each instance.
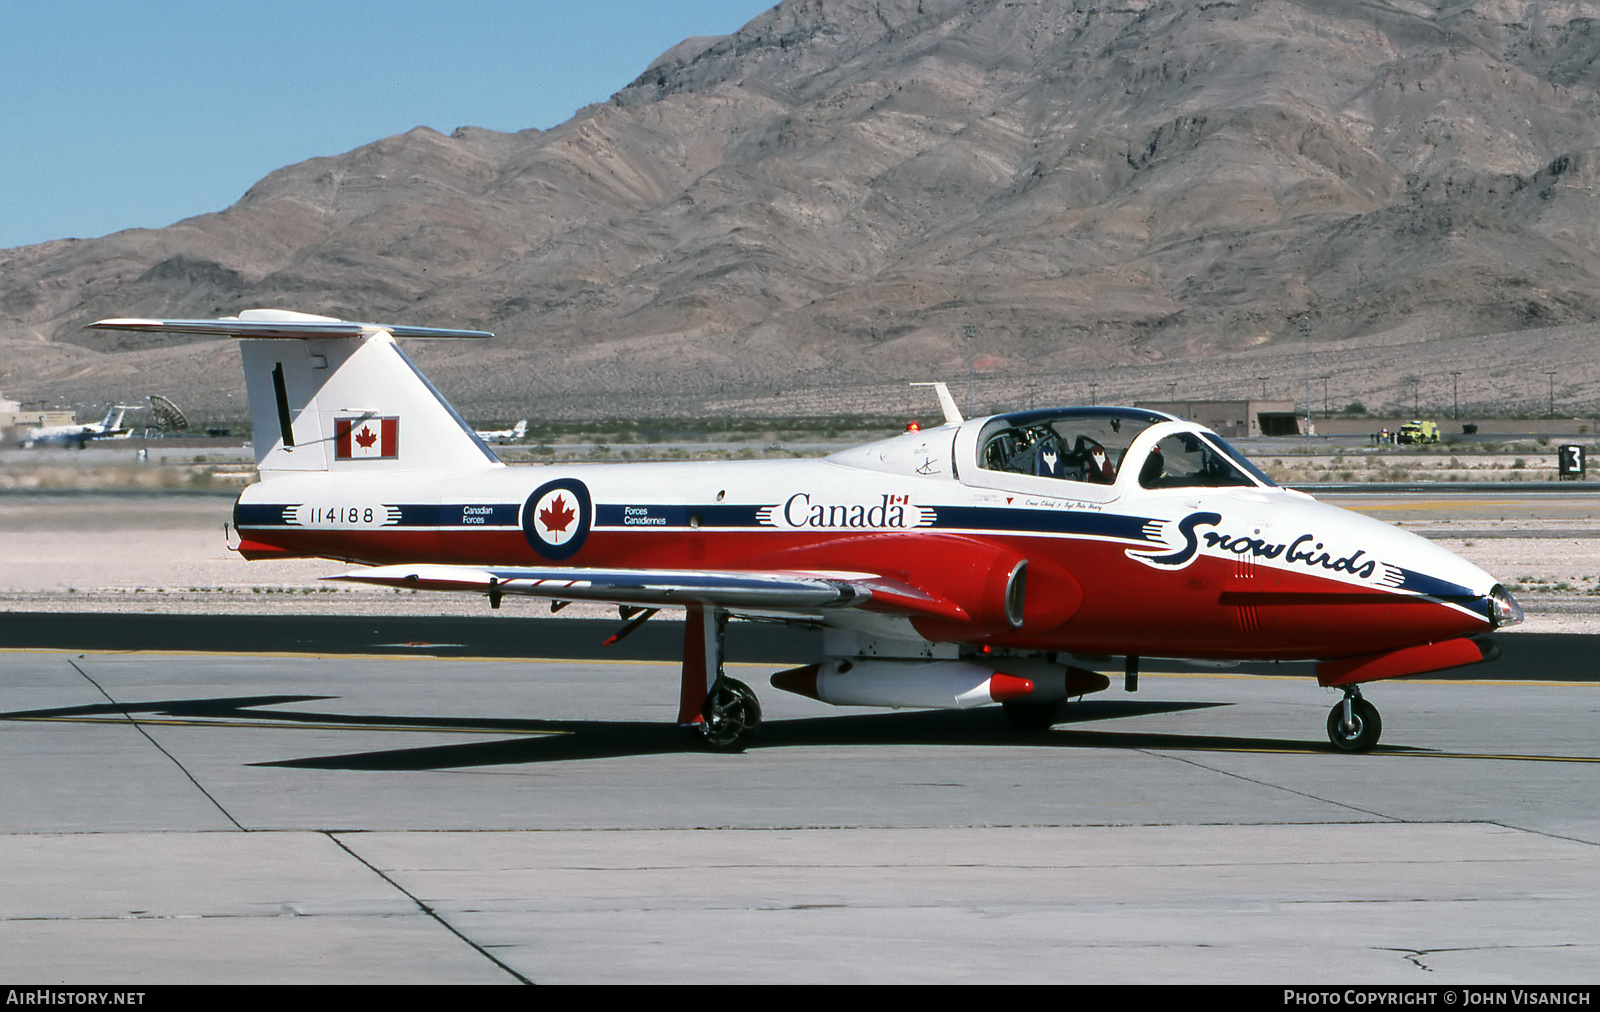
(556, 516)
(366, 438)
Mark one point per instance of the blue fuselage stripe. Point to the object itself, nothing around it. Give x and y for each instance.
(1024, 521)
(617, 516)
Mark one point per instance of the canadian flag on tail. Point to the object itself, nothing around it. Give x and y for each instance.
(366, 438)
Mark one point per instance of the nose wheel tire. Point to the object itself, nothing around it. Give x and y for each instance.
(1360, 732)
(730, 715)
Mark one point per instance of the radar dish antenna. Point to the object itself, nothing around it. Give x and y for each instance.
(167, 414)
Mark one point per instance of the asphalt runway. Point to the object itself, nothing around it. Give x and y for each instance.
(262, 808)
(1536, 656)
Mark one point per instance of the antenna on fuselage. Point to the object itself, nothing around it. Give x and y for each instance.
(947, 404)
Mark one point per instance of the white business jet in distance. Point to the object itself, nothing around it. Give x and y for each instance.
(79, 434)
(502, 436)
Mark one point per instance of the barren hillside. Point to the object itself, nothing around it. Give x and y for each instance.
(804, 214)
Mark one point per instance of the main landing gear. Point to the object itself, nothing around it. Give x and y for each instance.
(723, 711)
(1353, 724)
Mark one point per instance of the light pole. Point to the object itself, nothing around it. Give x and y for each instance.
(970, 332)
(1455, 392)
(1552, 374)
(1305, 332)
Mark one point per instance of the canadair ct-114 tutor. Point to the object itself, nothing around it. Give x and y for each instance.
(986, 560)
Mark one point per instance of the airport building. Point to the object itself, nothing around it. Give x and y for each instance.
(13, 417)
(1235, 419)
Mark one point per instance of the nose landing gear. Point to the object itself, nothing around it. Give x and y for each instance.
(1353, 724)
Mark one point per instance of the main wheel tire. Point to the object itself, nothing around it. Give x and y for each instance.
(730, 715)
(1363, 735)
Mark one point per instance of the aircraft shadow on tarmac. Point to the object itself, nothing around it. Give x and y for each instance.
(540, 741)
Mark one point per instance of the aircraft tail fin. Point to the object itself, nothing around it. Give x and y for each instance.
(947, 404)
(520, 429)
(334, 395)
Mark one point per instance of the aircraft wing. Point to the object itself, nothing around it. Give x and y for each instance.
(732, 589)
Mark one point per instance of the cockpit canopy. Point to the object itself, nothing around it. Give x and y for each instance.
(1098, 446)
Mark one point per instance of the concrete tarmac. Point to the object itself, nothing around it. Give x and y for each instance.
(295, 797)
(299, 817)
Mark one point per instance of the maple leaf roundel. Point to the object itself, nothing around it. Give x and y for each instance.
(555, 519)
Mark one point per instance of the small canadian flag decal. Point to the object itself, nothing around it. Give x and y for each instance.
(366, 438)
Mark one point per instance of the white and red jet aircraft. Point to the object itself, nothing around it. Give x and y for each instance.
(985, 560)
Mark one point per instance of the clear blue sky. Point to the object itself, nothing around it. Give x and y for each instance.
(137, 113)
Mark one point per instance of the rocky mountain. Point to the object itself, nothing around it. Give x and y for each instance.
(805, 214)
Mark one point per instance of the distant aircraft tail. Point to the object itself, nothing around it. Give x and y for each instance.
(333, 395)
(115, 429)
(520, 429)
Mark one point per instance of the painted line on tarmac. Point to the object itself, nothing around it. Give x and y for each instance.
(1507, 757)
(1456, 505)
(341, 655)
(285, 725)
(1390, 751)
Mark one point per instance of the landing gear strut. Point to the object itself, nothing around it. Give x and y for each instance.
(722, 710)
(1354, 725)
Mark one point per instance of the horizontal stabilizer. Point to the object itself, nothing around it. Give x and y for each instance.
(339, 396)
(278, 324)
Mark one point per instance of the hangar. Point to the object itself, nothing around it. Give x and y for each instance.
(1235, 419)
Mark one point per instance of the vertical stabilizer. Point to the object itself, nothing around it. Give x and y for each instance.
(331, 395)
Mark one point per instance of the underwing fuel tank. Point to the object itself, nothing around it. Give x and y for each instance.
(943, 685)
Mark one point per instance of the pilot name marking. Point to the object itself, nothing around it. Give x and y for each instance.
(1064, 504)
